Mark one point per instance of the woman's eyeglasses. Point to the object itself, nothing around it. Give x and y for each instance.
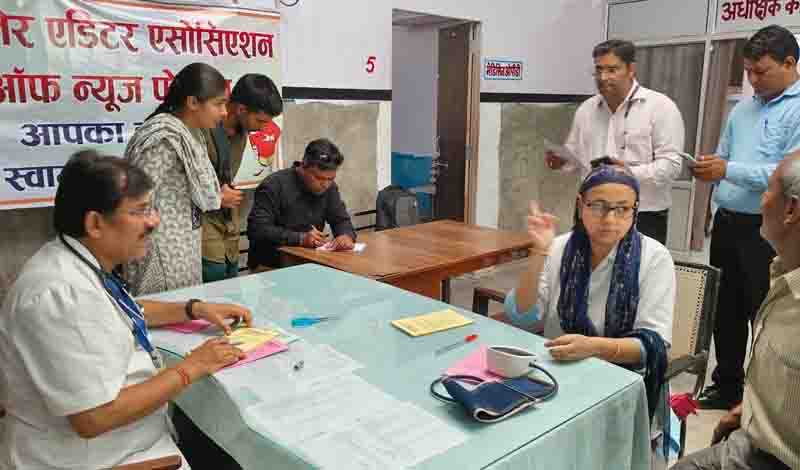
(601, 209)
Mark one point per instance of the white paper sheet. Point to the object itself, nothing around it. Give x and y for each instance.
(400, 436)
(563, 152)
(357, 247)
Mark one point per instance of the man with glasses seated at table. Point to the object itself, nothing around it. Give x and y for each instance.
(83, 386)
(634, 126)
(292, 206)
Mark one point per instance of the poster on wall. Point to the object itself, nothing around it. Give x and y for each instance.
(752, 15)
(79, 74)
(502, 69)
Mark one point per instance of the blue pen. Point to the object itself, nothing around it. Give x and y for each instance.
(302, 322)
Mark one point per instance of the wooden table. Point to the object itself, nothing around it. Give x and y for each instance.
(421, 258)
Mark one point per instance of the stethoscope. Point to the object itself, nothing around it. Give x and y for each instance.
(116, 288)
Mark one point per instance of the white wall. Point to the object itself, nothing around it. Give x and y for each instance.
(655, 19)
(326, 43)
(487, 200)
(414, 89)
(553, 37)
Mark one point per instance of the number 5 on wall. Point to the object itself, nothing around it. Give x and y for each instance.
(371, 64)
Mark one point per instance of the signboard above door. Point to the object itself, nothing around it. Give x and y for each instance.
(752, 15)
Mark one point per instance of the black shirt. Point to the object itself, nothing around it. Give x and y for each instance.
(284, 210)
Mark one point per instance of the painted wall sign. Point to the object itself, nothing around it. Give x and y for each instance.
(751, 15)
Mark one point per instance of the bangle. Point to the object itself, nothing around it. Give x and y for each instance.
(185, 379)
(189, 309)
(617, 352)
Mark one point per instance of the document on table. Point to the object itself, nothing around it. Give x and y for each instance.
(248, 339)
(181, 343)
(398, 437)
(279, 376)
(346, 420)
(431, 323)
(357, 247)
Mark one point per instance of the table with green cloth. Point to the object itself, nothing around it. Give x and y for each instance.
(598, 419)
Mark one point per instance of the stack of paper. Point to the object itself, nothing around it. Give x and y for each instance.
(431, 323)
(248, 339)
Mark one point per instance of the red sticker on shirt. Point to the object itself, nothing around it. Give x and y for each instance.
(264, 143)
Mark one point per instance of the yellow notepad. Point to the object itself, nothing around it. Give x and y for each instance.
(431, 323)
(248, 339)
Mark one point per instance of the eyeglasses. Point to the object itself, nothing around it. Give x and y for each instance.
(601, 209)
(144, 212)
(611, 70)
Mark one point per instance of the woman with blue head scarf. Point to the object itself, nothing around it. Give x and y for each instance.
(603, 290)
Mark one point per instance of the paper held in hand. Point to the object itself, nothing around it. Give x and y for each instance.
(248, 339)
(431, 323)
(562, 151)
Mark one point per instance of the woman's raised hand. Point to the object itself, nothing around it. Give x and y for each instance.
(541, 227)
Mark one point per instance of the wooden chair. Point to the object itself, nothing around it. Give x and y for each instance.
(369, 226)
(692, 326)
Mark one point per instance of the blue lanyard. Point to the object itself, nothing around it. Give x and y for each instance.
(116, 289)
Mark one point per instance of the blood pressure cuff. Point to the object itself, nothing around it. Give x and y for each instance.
(492, 401)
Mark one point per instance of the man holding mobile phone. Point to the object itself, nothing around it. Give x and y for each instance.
(633, 126)
(758, 133)
(253, 103)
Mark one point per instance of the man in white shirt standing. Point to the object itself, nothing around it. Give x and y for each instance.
(632, 126)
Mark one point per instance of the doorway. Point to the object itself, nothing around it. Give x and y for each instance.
(435, 111)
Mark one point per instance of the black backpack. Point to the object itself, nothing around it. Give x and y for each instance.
(395, 207)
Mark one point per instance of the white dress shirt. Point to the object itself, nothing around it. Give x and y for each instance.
(647, 140)
(66, 347)
(656, 291)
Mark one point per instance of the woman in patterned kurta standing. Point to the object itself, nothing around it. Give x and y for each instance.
(185, 181)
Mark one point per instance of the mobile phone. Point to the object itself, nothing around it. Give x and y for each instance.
(689, 158)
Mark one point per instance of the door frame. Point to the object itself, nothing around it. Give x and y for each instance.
(473, 124)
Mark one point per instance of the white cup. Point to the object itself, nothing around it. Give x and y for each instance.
(508, 361)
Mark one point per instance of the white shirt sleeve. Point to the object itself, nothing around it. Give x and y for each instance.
(70, 348)
(581, 127)
(656, 290)
(668, 134)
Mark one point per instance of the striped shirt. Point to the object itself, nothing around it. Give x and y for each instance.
(771, 406)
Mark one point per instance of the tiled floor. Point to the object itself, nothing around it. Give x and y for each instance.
(700, 427)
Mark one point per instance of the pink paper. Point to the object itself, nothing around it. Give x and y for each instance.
(192, 326)
(474, 365)
(268, 349)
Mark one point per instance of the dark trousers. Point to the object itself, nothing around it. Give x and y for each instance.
(200, 451)
(738, 249)
(654, 225)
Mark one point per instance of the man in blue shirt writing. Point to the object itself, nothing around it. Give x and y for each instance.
(759, 132)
